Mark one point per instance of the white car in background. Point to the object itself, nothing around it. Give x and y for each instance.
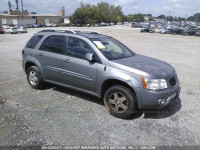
(49, 24)
(22, 29)
(158, 29)
(11, 30)
(5, 26)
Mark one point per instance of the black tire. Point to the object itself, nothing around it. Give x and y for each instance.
(130, 102)
(34, 71)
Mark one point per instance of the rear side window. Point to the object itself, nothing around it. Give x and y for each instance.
(34, 41)
(54, 44)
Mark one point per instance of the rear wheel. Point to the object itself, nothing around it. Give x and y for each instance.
(120, 101)
(34, 77)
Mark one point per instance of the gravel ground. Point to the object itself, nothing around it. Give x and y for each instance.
(59, 116)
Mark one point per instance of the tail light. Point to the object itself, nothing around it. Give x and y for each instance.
(22, 53)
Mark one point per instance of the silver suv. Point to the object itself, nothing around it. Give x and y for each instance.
(101, 66)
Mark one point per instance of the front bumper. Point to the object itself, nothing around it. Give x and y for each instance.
(149, 99)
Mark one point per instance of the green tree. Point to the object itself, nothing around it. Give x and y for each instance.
(161, 17)
(135, 18)
(195, 17)
(170, 18)
(91, 14)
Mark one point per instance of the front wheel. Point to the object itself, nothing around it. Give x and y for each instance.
(120, 101)
(34, 77)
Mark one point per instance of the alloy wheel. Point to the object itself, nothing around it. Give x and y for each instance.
(33, 77)
(118, 102)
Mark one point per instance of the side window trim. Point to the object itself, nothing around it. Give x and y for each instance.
(40, 42)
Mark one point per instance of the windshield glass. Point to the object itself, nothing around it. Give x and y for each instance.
(111, 48)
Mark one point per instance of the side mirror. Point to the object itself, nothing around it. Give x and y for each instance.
(90, 57)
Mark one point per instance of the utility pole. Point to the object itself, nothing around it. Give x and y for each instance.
(17, 6)
(169, 16)
(22, 5)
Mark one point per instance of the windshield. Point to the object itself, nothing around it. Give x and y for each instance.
(111, 48)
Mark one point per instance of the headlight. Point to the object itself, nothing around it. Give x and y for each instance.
(154, 84)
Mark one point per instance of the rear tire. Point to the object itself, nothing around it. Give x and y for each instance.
(120, 101)
(34, 77)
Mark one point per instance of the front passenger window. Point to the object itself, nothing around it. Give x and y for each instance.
(78, 48)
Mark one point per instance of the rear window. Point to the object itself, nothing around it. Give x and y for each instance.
(34, 41)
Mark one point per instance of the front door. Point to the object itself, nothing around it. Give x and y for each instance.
(77, 71)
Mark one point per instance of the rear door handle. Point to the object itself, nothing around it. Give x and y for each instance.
(41, 54)
(67, 60)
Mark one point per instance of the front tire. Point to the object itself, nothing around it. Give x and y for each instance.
(120, 101)
(34, 77)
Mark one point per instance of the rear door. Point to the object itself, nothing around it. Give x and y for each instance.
(50, 56)
(77, 71)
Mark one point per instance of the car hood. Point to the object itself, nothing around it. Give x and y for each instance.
(145, 66)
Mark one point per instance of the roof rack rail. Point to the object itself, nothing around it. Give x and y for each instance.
(87, 31)
(71, 31)
(65, 31)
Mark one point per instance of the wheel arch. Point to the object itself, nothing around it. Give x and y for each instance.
(111, 82)
(28, 65)
(32, 62)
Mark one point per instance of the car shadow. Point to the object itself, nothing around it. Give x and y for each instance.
(78, 94)
(173, 107)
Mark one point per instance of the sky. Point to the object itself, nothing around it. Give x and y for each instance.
(178, 8)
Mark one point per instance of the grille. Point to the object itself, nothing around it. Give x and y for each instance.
(172, 81)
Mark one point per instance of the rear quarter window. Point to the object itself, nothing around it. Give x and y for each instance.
(34, 41)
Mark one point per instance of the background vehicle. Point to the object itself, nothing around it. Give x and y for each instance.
(176, 31)
(134, 25)
(101, 66)
(1, 30)
(54, 25)
(158, 30)
(22, 29)
(11, 30)
(97, 24)
(144, 30)
(34, 26)
(197, 33)
(165, 31)
(188, 32)
(4, 26)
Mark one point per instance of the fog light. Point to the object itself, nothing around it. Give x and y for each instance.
(161, 101)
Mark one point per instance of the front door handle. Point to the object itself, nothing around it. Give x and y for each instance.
(67, 60)
(41, 54)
